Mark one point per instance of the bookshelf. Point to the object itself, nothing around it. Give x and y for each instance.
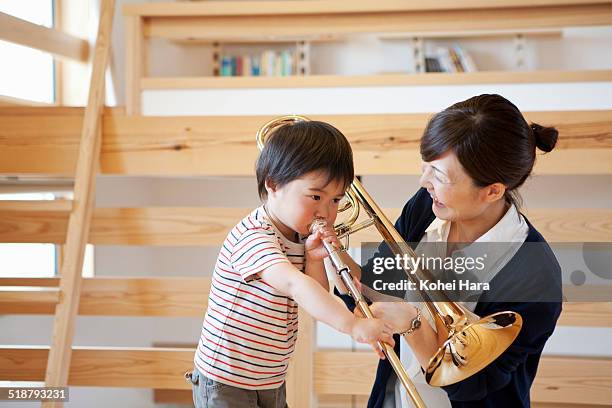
(424, 46)
(261, 22)
(265, 58)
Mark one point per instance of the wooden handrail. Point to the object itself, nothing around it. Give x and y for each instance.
(58, 363)
(42, 38)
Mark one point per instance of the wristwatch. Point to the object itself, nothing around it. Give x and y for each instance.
(414, 324)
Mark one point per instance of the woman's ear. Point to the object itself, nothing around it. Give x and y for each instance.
(495, 192)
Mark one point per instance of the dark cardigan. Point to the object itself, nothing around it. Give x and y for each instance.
(507, 380)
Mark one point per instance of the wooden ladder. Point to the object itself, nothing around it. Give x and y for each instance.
(58, 363)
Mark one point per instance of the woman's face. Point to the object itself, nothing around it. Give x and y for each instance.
(455, 196)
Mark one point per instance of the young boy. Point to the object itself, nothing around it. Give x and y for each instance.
(265, 269)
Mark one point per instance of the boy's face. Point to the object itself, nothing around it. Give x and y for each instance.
(296, 204)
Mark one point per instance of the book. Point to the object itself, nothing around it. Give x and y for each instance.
(256, 65)
(466, 59)
(247, 69)
(239, 71)
(455, 59)
(226, 66)
(445, 60)
(432, 65)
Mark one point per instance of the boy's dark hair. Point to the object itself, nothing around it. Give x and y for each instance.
(492, 140)
(296, 149)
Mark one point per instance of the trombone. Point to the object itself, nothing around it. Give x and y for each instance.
(471, 342)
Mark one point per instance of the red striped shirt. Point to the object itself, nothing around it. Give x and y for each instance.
(250, 329)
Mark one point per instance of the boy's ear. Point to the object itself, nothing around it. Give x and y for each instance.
(270, 186)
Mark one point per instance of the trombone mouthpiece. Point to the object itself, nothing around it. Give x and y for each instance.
(317, 224)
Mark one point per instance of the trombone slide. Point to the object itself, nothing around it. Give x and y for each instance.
(345, 274)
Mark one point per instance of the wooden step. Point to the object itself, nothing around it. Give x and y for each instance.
(569, 380)
(28, 299)
(201, 226)
(42, 141)
(175, 296)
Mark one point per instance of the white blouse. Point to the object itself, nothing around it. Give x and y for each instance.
(512, 228)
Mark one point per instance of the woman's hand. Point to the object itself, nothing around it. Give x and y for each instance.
(398, 315)
(315, 251)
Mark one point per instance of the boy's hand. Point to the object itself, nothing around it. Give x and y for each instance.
(315, 251)
(397, 315)
(370, 331)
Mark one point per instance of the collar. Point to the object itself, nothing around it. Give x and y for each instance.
(508, 229)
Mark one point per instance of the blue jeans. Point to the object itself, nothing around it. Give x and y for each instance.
(209, 393)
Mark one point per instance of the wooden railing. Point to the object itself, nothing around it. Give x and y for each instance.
(562, 380)
(45, 141)
(64, 47)
(42, 38)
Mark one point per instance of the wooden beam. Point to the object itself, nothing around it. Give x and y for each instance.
(586, 314)
(46, 39)
(344, 372)
(197, 226)
(251, 8)
(43, 141)
(300, 381)
(36, 206)
(555, 224)
(116, 296)
(103, 366)
(134, 63)
(339, 81)
(10, 101)
(574, 380)
(240, 25)
(28, 298)
(188, 297)
(569, 380)
(58, 363)
(185, 397)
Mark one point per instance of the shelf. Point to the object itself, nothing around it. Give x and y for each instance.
(180, 21)
(331, 81)
(263, 39)
(472, 33)
(402, 36)
(332, 20)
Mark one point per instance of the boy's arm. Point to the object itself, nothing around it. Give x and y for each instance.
(309, 294)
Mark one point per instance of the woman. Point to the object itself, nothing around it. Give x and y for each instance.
(476, 154)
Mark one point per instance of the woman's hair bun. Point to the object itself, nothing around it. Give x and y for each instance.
(545, 137)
